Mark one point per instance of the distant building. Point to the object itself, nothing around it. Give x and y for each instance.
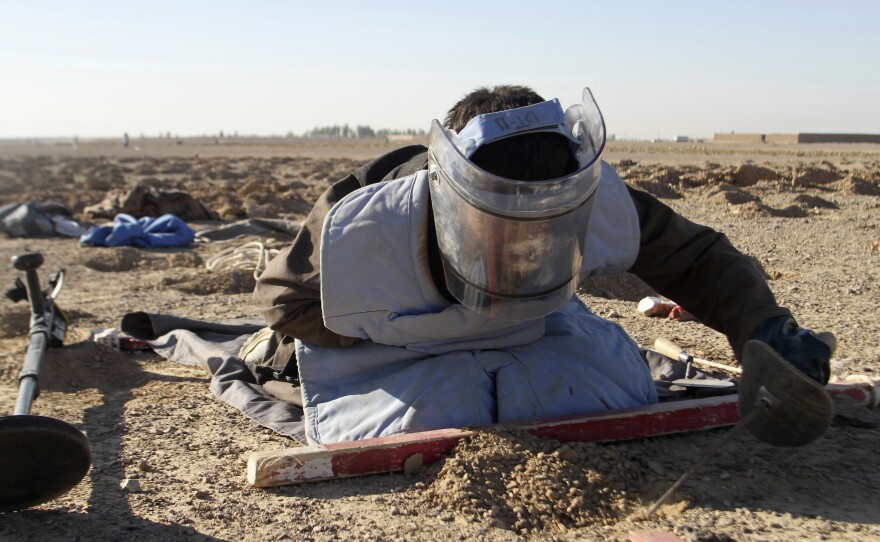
(733, 137)
(838, 138)
(781, 138)
(681, 139)
(796, 138)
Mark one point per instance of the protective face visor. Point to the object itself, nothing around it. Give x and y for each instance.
(513, 249)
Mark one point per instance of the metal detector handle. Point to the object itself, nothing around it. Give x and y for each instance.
(38, 338)
(29, 263)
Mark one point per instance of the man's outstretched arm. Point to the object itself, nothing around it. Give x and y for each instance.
(699, 269)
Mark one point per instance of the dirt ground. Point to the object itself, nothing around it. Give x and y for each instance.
(808, 214)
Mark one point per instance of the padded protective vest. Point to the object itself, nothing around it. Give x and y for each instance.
(427, 364)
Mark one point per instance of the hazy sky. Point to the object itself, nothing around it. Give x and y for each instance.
(96, 68)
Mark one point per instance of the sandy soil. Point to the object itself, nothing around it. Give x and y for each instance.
(808, 214)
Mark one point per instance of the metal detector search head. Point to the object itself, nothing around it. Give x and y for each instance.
(798, 411)
(40, 458)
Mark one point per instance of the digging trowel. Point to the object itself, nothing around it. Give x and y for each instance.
(777, 403)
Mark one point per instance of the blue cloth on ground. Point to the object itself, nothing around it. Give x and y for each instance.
(146, 232)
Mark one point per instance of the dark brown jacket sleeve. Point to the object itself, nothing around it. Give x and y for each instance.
(699, 269)
(288, 292)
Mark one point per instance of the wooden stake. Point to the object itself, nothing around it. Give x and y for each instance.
(389, 454)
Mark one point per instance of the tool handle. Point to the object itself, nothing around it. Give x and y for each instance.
(672, 350)
(25, 262)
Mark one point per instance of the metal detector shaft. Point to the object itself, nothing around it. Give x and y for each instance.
(38, 338)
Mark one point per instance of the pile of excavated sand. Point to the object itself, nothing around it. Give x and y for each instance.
(529, 485)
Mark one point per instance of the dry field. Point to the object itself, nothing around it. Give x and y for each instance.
(810, 215)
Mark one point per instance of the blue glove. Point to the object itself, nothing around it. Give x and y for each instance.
(799, 346)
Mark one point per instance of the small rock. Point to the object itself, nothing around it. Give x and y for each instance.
(130, 485)
(566, 453)
(413, 463)
(200, 494)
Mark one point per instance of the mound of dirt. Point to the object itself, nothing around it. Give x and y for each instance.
(754, 209)
(89, 365)
(144, 200)
(750, 174)
(232, 281)
(658, 188)
(813, 202)
(791, 211)
(812, 176)
(109, 260)
(860, 186)
(498, 476)
(731, 196)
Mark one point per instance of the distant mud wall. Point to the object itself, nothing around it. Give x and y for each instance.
(739, 138)
(781, 138)
(838, 138)
(796, 138)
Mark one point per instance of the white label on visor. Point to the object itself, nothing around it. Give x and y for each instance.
(542, 117)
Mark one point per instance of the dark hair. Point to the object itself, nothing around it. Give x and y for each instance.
(484, 100)
(527, 157)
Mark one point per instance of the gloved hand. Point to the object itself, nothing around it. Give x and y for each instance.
(799, 346)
